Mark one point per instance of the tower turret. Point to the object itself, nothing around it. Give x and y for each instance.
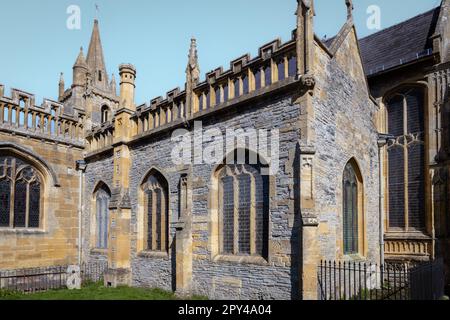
(80, 70)
(127, 74)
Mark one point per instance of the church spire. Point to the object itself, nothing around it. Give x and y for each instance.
(96, 60)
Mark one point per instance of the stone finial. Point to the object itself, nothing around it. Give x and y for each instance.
(349, 4)
(192, 76)
(193, 70)
(193, 54)
(61, 87)
(2, 90)
(113, 84)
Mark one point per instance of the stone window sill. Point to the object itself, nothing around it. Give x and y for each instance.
(22, 231)
(154, 254)
(256, 260)
(394, 234)
(356, 257)
(99, 251)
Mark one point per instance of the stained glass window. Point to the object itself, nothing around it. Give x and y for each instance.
(244, 205)
(5, 198)
(157, 212)
(228, 214)
(103, 199)
(20, 194)
(350, 205)
(406, 159)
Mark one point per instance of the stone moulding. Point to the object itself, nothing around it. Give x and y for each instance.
(8, 146)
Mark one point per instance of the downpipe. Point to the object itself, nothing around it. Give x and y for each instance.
(383, 140)
(81, 167)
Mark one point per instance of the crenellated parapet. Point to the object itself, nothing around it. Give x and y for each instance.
(20, 115)
(100, 137)
(247, 77)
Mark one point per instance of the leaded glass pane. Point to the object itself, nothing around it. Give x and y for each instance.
(395, 116)
(103, 198)
(20, 204)
(396, 188)
(416, 186)
(228, 214)
(158, 219)
(350, 205)
(5, 204)
(244, 213)
(415, 102)
(35, 206)
(150, 220)
(261, 207)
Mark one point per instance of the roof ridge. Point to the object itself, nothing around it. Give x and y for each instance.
(402, 22)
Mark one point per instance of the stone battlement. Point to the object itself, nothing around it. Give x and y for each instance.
(275, 62)
(273, 68)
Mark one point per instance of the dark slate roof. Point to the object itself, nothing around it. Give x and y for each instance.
(399, 44)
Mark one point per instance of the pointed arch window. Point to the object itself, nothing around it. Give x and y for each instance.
(243, 211)
(105, 114)
(350, 206)
(20, 194)
(102, 198)
(406, 160)
(156, 213)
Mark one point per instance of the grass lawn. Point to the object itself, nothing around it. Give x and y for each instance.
(95, 291)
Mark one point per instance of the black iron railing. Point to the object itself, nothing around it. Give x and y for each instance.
(368, 281)
(47, 278)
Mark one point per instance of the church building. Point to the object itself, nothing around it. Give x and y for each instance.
(363, 149)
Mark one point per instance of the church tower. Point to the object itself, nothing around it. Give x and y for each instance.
(92, 91)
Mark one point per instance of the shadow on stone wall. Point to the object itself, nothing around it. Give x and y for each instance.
(296, 238)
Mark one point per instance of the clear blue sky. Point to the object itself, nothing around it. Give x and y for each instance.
(154, 35)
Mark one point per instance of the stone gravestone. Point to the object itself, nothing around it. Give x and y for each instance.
(73, 278)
